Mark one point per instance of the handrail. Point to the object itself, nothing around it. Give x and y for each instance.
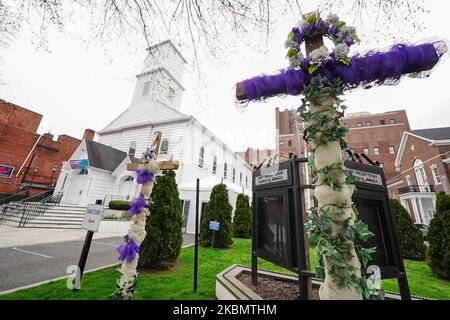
(416, 188)
(28, 210)
(4, 200)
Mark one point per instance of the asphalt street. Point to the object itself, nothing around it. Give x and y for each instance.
(25, 265)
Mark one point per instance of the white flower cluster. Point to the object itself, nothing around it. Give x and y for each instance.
(333, 18)
(341, 51)
(346, 32)
(318, 55)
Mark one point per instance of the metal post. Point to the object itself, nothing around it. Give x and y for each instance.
(197, 204)
(85, 250)
(303, 264)
(254, 235)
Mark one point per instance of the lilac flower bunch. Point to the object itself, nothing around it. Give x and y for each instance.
(342, 36)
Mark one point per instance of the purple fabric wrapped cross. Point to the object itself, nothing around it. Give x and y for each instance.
(144, 176)
(372, 68)
(137, 205)
(129, 250)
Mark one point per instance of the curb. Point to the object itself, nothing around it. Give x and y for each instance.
(55, 279)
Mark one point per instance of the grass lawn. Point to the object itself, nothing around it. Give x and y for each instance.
(177, 283)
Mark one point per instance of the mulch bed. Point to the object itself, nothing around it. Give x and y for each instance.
(270, 288)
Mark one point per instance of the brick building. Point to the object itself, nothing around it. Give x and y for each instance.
(28, 159)
(377, 135)
(289, 127)
(423, 169)
(255, 156)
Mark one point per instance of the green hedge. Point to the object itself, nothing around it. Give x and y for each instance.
(439, 238)
(411, 239)
(119, 205)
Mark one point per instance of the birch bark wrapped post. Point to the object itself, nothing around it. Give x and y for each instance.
(129, 252)
(333, 201)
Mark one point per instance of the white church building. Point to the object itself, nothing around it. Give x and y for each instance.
(155, 106)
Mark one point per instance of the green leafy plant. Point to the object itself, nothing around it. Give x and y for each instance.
(217, 209)
(242, 221)
(438, 236)
(411, 239)
(163, 226)
(119, 205)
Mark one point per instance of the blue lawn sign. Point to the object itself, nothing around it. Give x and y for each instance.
(79, 164)
(6, 171)
(214, 225)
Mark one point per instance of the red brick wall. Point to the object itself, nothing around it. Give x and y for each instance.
(17, 137)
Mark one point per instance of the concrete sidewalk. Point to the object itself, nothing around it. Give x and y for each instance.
(11, 237)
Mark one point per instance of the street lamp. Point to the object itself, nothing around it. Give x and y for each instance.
(35, 171)
(55, 168)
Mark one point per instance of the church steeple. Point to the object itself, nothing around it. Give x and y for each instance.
(162, 75)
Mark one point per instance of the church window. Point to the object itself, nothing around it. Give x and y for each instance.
(146, 89)
(200, 157)
(214, 168)
(234, 174)
(246, 181)
(164, 147)
(240, 178)
(129, 178)
(225, 169)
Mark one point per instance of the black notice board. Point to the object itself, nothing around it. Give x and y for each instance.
(371, 198)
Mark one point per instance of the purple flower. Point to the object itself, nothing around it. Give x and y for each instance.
(129, 250)
(305, 62)
(320, 26)
(295, 30)
(332, 31)
(144, 176)
(137, 205)
(307, 28)
(150, 154)
(349, 41)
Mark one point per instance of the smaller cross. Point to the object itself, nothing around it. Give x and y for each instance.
(162, 164)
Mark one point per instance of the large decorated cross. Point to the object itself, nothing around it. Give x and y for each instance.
(321, 77)
(146, 170)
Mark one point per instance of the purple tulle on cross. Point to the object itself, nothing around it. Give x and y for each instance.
(137, 205)
(144, 176)
(129, 250)
(372, 68)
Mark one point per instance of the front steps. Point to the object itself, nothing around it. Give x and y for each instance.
(55, 217)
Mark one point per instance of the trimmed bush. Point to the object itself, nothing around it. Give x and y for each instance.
(119, 205)
(217, 209)
(163, 226)
(411, 239)
(439, 238)
(242, 221)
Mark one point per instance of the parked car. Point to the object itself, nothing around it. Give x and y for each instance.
(423, 228)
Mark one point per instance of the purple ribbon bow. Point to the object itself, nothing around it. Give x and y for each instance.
(144, 176)
(137, 205)
(129, 250)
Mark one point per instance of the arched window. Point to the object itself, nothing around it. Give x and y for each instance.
(246, 181)
(214, 169)
(240, 178)
(234, 174)
(164, 147)
(129, 178)
(421, 176)
(225, 169)
(200, 157)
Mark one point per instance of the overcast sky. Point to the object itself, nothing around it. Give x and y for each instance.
(77, 85)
